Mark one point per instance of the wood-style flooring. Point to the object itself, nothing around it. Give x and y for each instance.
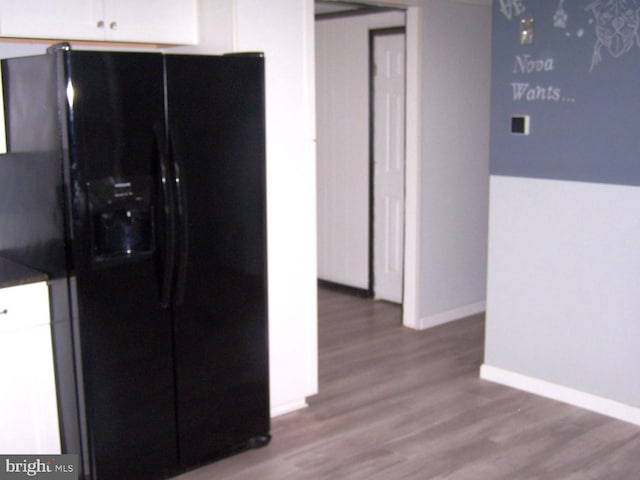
(400, 404)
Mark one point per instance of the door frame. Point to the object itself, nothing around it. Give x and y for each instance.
(373, 34)
(413, 158)
(412, 172)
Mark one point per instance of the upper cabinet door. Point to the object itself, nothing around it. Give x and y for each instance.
(161, 21)
(59, 19)
(141, 21)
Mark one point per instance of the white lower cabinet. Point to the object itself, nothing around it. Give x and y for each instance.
(28, 406)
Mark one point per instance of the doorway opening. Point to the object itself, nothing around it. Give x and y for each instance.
(343, 237)
(351, 140)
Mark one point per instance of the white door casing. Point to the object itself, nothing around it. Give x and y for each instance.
(389, 160)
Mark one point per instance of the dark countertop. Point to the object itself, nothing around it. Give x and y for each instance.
(13, 274)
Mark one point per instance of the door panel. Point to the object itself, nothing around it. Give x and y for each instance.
(68, 19)
(168, 22)
(216, 129)
(389, 114)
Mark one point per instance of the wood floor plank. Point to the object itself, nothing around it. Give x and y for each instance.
(400, 404)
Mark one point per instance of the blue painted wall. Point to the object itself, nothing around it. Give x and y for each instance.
(579, 83)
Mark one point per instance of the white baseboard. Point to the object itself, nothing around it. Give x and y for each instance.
(288, 407)
(450, 315)
(578, 398)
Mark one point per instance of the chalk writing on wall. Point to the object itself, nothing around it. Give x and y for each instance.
(613, 26)
(583, 124)
(524, 65)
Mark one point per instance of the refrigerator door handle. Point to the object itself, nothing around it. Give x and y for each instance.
(168, 235)
(182, 226)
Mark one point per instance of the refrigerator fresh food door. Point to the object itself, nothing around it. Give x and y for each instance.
(217, 149)
(116, 103)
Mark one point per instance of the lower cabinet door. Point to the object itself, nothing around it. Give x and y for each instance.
(28, 407)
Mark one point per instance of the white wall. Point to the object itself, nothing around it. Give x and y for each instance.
(283, 30)
(563, 295)
(342, 99)
(216, 28)
(455, 160)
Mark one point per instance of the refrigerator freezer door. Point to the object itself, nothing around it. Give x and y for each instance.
(125, 336)
(216, 129)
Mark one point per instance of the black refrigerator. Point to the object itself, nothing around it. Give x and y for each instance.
(137, 182)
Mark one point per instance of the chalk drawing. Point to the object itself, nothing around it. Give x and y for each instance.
(617, 27)
(560, 17)
(512, 8)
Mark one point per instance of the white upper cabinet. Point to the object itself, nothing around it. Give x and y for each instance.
(59, 19)
(158, 21)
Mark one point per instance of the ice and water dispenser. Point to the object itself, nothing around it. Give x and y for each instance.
(121, 214)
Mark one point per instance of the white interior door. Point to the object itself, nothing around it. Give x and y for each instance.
(389, 160)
